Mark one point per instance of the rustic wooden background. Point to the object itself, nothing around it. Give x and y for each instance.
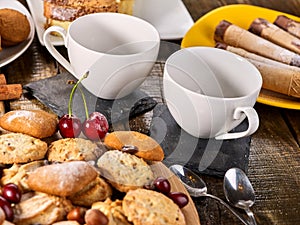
(274, 166)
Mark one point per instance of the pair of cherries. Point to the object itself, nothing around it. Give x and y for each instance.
(94, 127)
(10, 194)
(162, 185)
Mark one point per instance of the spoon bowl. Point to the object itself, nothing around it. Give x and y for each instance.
(197, 187)
(239, 192)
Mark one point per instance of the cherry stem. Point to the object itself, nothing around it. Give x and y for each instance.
(73, 90)
(84, 103)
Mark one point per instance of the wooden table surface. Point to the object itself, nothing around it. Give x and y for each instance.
(274, 163)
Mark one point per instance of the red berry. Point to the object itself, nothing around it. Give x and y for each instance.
(69, 126)
(5, 205)
(11, 193)
(179, 198)
(95, 127)
(162, 185)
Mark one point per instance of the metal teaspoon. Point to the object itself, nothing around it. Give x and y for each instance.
(197, 187)
(239, 191)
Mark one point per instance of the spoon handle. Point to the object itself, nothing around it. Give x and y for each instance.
(228, 207)
(251, 216)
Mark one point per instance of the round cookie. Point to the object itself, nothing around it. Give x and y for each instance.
(21, 148)
(70, 149)
(124, 171)
(149, 207)
(147, 147)
(14, 27)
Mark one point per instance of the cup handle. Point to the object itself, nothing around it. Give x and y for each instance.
(253, 122)
(50, 47)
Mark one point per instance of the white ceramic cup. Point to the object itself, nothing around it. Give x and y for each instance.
(118, 50)
(210, 91)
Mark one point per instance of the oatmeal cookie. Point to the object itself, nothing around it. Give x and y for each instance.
(147, 148)
(70, 149)
(147, 207)
(124, 171)
(21, 148)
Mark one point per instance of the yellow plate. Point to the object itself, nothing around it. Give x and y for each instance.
(202, 34)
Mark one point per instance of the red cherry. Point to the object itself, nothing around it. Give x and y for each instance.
(11, 193)
(162, 185)
(179, 198)
(69, 126)
(96, 126)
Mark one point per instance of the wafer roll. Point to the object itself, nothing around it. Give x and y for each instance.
(288, 24)
(236, 36)
(249, 55)
(277, 77)
(275, 34)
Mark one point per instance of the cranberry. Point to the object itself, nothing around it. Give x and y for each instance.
(5, 205)
(11, 193)
(69, 126)
(179, 198)
(162, 185)
(95, 127)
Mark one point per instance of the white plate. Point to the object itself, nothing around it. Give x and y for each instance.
(169, 17)
(8, 54)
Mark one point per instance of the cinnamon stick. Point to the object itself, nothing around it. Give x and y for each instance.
(2, 79)
(277, 77)
(10, 91)
(2, 105)
(236, 36)
(275, 34)
(288, 24)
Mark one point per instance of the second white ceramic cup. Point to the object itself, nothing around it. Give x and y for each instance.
(210, 91)
(118, 50)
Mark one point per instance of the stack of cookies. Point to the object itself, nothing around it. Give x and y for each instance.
(59, 177)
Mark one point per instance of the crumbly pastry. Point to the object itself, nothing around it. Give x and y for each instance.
(147, 207)
(113, 210)
(97, 190)
(147, 147)
(124, 171)
(21, 148)
(70, 149)
(41, 208)
(14, 27)
(63, 12)
(36, 123)
(62, 179)
(18, 174)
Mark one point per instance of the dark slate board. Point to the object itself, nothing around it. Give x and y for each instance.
(208, 156)
(54, 92)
